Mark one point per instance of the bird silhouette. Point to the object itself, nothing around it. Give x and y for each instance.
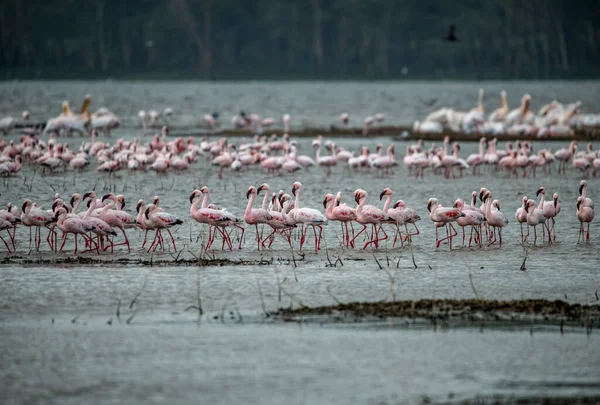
(451, 37)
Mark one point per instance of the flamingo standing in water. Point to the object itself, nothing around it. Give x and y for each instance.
(495, 218)
(550, 210)
(564, 155)
(158, 220)
(117, 218)
(521, 215)
(535, 217)
(307, 217)
(334, 211)
(255, 216)
(369, 215)
(473, 218)
(206, 215)
(444, 216)
(584, 215)
(73, 225)
(277, 221)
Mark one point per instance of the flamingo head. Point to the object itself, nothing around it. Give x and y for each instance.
(56, 204)
(262, 187)
(149, 209)
(432, 202)
(328, 198)
(156, 200)
(486, 195)
(139, 206)
(109, 196)
(482, 192)
(459, 203)
(251, 190)
(582, 185)
(195, 193)
(496, 203)
(399, 204)
(204, 190)
(359, 195)
(295, 187)
(386, 191)
(283, 198)
(74, 197)
(121, 200)
(541, 190)
(555, 200)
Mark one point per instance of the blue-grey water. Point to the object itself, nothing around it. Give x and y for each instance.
(58, 346)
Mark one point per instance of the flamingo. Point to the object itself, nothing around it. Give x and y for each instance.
(549, 209)
(564, 155)
(444, 216)
(76, 226)
(369, 215)
(477, 159)
(585, 214)
(206, 215)
(255, 216)
(334, 211)
(495, 218)
(587, 202)
(324, 161)
(277, 221)
(160, 220)
(471, 218)
(521, 215)
(117, 218)
(307, 217)
(535, 217)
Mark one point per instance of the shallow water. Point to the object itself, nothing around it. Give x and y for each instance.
(57, 346)
(310, 103)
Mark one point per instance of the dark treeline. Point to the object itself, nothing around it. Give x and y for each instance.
(353, 39)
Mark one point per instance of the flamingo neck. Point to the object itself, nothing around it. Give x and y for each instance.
(249, 205)
(194, 207)
(89, 210)
(205, 198)
(542, 200)
(388, 201)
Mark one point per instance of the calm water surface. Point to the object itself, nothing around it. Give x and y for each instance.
(57, 345)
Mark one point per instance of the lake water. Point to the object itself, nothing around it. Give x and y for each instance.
(58, 346)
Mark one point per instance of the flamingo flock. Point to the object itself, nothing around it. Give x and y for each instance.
(104, 220)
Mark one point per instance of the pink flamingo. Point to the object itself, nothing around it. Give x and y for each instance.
(277, 221)
(34, 217)
(564, 155)
(369, 215)
(324, 161)
(521, 215)
(535, 217)
(100, 227)
(495, 218)
(342, 213)
(117, 218)
(307, 217)
(472, 218)
(207, 215)
(159, 220)
(255, 216)
(549, 208)
(584, 215)
(75, 226)
(443, 216)
(477, 159)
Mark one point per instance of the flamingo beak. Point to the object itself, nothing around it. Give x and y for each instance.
(54, 205)
(105, 197)
(192, 197)
(325, 203)
(248, 193)
(381, 195)
(137, 207)
(395, 205)
(86, 195)
(23, 207)
(294, 190)
(71, 201)
(481, 196)
(580, 189)
(357, 198)
(555, 203)
(123, 204)
(578, 204)
(538, 192)
(429, 206)
(259, 190)
(147, 212)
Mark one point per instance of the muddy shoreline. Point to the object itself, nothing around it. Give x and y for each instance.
(459, 311)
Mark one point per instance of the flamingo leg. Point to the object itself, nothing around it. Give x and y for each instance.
(5, 244)
(356, 236)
